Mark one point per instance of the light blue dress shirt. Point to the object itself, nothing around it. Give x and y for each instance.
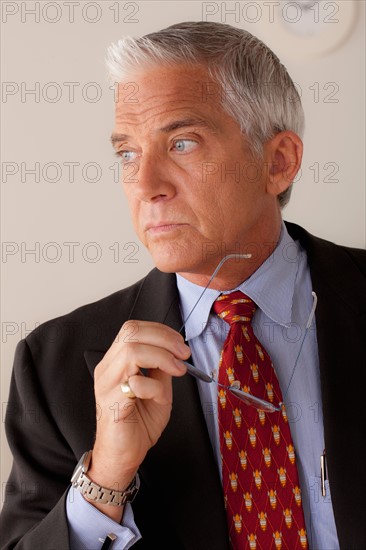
(88, 527)
(281, 288)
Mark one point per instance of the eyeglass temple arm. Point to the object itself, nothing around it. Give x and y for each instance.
(228, 257)
(308, 325)
(312, 312)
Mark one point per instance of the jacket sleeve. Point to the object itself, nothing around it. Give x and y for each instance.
(34, 512)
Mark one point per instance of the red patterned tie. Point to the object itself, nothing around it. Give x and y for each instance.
(259, 473)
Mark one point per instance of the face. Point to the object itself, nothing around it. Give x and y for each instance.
(194, 190)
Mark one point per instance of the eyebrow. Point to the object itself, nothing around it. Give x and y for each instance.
(175, 125)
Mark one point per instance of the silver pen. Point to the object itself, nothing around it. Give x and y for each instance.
(323, 473)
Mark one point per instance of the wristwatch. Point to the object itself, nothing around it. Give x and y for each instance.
(94, 492)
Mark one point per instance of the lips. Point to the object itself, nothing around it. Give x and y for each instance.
(163, 225)
(164, 228)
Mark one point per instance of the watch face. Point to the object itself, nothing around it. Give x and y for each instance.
(82, 466)
(77, 472)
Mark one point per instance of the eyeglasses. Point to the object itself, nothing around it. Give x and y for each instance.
(247, 398)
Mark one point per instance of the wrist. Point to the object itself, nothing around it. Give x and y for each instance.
(106, 494)
(109, 472)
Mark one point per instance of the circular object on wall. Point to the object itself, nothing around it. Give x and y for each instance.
(304, 29)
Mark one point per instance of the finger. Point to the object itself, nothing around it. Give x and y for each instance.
(157, 334)
(151, 388)
(152, 357)
(131, 359)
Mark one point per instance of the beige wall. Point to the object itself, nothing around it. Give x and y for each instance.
(45, 215)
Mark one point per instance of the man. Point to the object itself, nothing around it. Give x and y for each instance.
(209, 141)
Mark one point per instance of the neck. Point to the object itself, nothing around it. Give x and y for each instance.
(235, 270)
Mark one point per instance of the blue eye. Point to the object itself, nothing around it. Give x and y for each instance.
(184, 145)
(126, 156)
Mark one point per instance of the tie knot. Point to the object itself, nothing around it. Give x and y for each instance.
(235, 307)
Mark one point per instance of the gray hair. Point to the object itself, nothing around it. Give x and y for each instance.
(256, 89)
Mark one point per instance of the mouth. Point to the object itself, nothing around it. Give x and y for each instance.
(163, 227)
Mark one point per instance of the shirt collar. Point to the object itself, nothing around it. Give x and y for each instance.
(271, 287)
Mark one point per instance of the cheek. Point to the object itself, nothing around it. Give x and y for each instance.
(203, 192)
(210, 211)
(230, 205)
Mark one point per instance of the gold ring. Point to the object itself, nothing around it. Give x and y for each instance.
(126, 390)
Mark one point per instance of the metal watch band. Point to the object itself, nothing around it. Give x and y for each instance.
(96, 493)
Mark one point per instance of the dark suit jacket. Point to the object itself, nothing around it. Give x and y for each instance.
(51, 415)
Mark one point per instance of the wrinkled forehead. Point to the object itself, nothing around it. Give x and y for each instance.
(158, 90)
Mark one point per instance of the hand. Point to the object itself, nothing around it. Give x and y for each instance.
(127, 428)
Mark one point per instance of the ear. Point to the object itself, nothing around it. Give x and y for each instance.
(282, 156)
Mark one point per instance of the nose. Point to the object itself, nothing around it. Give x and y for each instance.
(153, 179)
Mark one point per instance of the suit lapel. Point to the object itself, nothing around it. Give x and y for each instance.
(183, 457)
(157, 300)
(339, 317)
(180, 469)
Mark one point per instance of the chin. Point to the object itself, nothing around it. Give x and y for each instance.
(168, 265)
(171, 261)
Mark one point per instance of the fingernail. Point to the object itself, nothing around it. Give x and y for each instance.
(181, 366)
(183, 348)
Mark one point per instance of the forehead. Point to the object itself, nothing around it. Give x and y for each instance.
(161, 92)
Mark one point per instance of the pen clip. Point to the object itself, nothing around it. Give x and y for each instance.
(323, 473)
